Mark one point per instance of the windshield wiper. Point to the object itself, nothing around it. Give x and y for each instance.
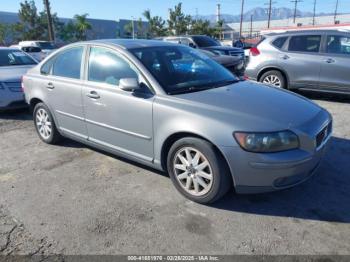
(203, 87)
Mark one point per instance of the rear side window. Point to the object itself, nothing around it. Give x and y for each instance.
(337, 44)
(279, 42)
(305, 43)
(68, 63)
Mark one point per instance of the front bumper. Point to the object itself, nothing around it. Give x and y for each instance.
(259, 173)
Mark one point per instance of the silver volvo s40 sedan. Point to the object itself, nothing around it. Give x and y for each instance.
(174, 109)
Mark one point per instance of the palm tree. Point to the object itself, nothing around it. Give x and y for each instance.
(82, 26)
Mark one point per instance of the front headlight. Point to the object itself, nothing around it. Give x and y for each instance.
(267, 142)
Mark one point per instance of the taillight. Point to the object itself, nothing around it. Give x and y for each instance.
(254, 51)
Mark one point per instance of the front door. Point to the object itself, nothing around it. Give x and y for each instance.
(117, 119)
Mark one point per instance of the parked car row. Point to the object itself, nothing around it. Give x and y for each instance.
(170, 107)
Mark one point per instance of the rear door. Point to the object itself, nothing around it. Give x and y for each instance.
(335, 69)
(63, 85)
(302, 61)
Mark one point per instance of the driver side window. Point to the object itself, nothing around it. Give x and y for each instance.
(105, 66)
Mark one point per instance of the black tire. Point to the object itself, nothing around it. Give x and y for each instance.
(54, 137)
(276, 73)
(221, 176)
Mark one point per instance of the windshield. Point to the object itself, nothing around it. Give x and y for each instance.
(15, 57)
(182, 69)
(46, 45)
(205, 41)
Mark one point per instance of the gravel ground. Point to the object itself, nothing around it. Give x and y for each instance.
(71, 199)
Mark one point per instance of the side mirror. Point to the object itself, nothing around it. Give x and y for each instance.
(192, 45)
(129, 84)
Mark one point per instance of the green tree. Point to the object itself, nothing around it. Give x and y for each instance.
(68, 32)
(219, 28)
(82, 26)
(33, 25)
(5, 33)
(140, 29)
(27, 28)
(201, 27)
(128, 29)
(156, 24)
(178, 22)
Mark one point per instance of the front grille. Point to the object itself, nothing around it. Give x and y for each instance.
(323, 134)
(13, 86)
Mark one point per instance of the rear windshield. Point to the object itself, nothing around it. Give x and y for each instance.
(205, 41)
(279, 42)
(15, 57)
(46, 45)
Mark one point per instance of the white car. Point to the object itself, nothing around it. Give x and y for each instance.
(45, 46)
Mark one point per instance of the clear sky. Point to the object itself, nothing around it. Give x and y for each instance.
(117, 9)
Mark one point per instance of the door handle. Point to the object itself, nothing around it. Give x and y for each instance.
(330, 60)
(284, 57)
(93, 95)
(50, 85)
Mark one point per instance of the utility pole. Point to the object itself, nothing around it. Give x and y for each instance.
(336, 11)
(241, 23)
(295, 8)
(269, 12)
(251, 26)
(313, 18)
(49, 21)
(133, 28)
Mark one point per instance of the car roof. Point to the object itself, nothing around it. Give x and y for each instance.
(305, 32)
(131, 43)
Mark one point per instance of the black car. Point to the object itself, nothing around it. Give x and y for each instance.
(235, 64)
(206, 43)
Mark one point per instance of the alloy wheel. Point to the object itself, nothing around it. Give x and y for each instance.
(43, 123)
(193, 171)
(272, 80)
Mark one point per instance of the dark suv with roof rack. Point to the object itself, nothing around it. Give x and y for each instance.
(206, 43)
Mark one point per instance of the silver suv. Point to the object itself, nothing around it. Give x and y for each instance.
(313, 60)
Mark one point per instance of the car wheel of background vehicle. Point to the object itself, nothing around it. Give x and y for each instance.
(198, 171)
(44, 124)
(273, 78)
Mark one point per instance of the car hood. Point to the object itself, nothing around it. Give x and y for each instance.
(13, 73)
(227, 60)
(251, 106)
(224, 48)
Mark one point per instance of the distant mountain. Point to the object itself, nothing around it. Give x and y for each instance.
(260, 14)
